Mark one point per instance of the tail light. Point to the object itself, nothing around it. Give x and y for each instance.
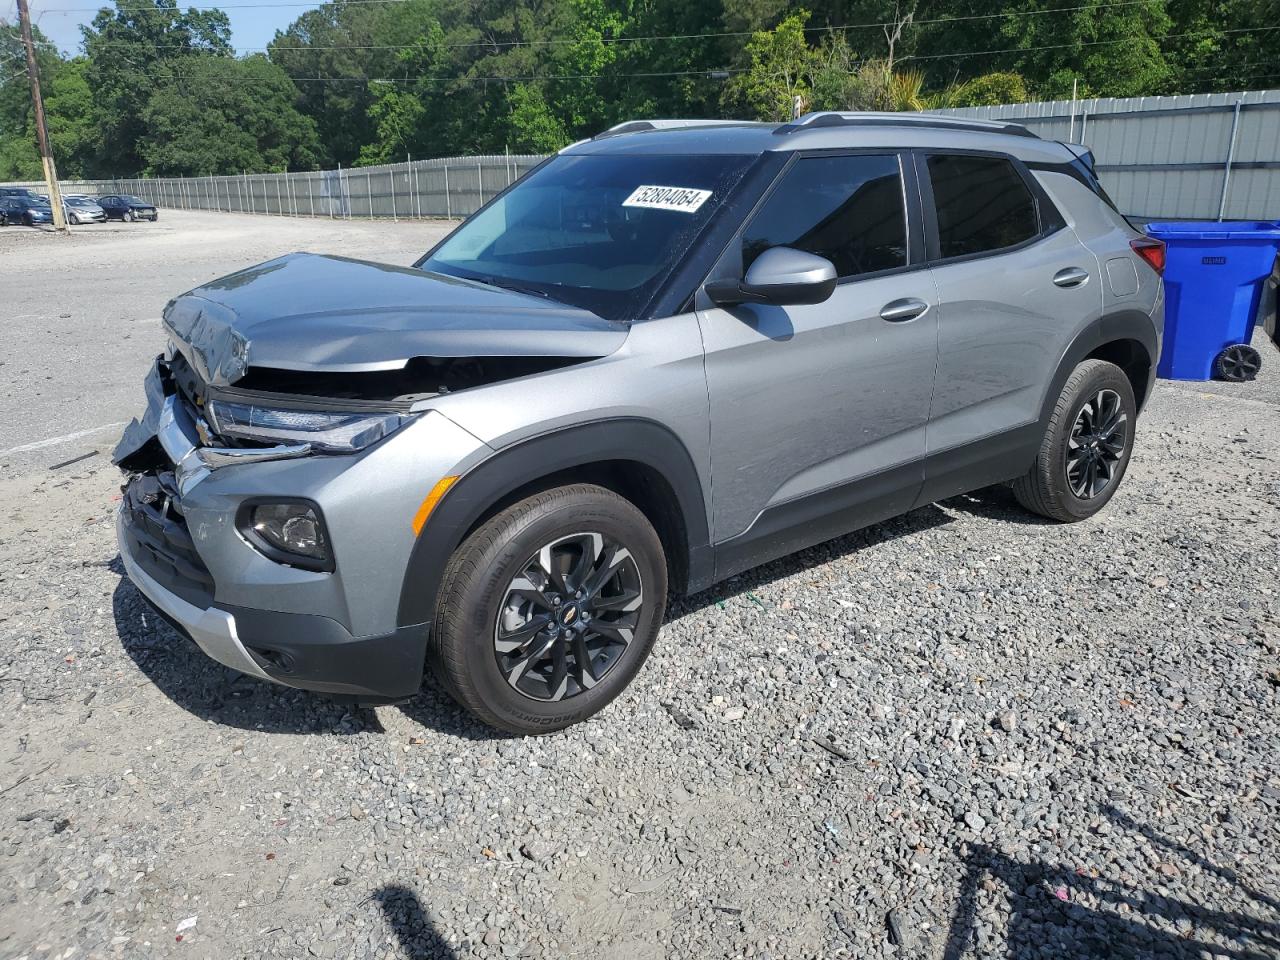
(1151, 251)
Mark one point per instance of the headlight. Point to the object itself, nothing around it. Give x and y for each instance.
(334, 431)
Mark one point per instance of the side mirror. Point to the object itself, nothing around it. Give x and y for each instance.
(782, 276)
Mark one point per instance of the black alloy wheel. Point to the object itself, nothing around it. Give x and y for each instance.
(1099, 438)
(568, 616)
(549, 608)
(1088, 439)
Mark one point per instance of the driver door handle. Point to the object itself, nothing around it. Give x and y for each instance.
(900, 311)
(1070, 277)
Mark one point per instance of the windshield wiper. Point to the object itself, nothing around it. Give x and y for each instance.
(512, 285)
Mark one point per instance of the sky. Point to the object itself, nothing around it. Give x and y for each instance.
(251, 25)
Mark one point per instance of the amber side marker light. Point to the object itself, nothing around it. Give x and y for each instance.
(439, 490)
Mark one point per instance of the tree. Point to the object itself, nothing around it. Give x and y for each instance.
(988, 90)
(779, 75)
(132, 50)
(222, 115)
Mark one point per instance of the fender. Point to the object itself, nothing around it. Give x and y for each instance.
(1109, 328)
(513, 467)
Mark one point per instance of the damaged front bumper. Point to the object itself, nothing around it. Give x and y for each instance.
(336, 631)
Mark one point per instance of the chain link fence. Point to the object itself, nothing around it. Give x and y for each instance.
(450, 187)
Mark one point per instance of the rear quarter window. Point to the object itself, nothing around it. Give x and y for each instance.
(982, 205)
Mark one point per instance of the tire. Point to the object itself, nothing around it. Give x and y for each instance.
(1051, 487)
(1238, 363)
(480, 604)
(75, 221)
(129, 216)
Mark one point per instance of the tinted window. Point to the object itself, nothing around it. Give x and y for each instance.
(847, 209)
(599, 232)
(983, 204)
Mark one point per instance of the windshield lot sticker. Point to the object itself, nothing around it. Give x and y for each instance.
(683, 199)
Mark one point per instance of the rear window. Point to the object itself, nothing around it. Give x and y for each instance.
(983, 205)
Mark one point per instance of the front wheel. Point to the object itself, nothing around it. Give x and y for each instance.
(1086, 448)
(548, 610)
(130, 216)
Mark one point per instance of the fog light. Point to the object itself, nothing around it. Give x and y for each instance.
(288, 532)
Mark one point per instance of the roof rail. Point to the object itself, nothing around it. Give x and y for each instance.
(635, 126)
(832, 118)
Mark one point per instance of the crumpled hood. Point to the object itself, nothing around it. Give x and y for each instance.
(332, 314)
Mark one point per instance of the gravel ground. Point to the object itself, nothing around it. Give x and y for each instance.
(960, 734)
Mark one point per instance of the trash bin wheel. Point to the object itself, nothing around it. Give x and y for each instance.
(1238, 363)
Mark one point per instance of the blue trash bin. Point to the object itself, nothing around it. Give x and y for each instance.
(1213, 279)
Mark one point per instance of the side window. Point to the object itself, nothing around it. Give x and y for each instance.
(982, 203)
(849, 209)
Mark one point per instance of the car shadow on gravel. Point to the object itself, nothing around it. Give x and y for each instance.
(418, 937)
(1056, 911)
(212, 692)
(997, 503)
(906, 525)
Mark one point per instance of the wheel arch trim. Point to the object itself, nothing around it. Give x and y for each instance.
(623, 439)
(1115, 327)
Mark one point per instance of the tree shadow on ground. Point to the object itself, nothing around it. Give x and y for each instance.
(417, 934)
(1058, 912)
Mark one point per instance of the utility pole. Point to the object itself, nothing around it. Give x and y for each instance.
(42, 131)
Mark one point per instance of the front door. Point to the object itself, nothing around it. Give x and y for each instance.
(818, 413)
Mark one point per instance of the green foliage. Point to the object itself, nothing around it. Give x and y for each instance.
(779, 75)
(221, 115)
(988, 90)
(159, 90)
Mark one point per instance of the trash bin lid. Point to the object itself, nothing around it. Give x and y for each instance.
(1208, 230)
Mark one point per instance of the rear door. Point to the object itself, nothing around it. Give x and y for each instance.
(810, 403)
(1014, 285)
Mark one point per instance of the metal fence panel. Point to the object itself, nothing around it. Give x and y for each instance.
(451, 187)
(1184, 157)
(1193, 157)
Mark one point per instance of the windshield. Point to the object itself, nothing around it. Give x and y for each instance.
(597, 232)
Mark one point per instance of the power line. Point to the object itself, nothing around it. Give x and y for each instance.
(560, 41)
(1085, 43)
(533, 78)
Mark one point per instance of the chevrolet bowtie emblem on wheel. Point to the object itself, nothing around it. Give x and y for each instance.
(570, 615)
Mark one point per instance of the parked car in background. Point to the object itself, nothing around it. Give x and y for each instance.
(29, 210)
(23, 192)
(80, 209)
(121, 206)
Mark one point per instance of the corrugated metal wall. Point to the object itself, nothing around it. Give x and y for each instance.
(1166, 157)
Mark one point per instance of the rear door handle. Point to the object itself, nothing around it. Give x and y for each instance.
(899, 311)
(1070, 277)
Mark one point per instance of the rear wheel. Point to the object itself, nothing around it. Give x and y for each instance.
(548, 610)
(1085, 451)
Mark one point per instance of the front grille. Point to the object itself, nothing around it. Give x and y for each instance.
(159, 540)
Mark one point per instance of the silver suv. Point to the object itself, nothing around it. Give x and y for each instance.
(668, 354)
